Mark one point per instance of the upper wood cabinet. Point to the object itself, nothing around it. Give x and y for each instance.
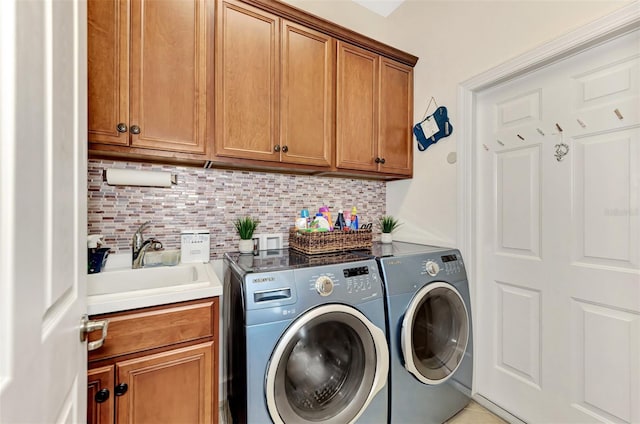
(307, 95)
(268, 86)
(274, 88)
(395, 118)
(374, 112)
(148, 73)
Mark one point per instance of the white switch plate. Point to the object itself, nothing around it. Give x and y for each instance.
(268, 241)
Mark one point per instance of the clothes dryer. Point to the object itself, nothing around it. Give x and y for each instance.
(306, 338)
(430, 333)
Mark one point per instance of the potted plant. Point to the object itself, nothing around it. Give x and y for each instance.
(245, 228)
(387, 224)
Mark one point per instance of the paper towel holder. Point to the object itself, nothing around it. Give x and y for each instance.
(174, 178)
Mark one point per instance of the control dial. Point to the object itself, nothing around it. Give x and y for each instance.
(324, 286)
(432, 268)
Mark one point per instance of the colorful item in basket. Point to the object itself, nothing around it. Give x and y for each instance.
(347, 220)
(340, 222)
(304, 213)
(354, 218)
(326, 213)
(301, 223)
(319, 223)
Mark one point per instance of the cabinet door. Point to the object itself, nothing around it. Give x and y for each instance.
(306, 108)
(99, 405)
(108, 71)
(169, 74)
(395, 118)
(357, 108)
(247, 82)
(169, 387)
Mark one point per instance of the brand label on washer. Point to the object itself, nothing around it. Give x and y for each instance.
(263, 279)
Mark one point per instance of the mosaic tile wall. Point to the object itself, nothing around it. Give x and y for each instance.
(212, 199)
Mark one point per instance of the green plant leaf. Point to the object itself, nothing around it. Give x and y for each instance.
(388, 223)
(245, 227)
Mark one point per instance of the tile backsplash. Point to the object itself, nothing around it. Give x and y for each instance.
(212, 199)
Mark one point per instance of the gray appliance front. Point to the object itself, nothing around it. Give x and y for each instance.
(415, 399)
(321, 364)
(297, 405)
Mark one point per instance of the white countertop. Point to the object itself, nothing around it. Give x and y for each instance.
(208, 284)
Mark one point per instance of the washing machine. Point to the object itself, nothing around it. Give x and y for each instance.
(430, 333)
(305, 338)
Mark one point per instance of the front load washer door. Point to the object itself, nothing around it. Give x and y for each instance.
(435, 332)
(327, 367)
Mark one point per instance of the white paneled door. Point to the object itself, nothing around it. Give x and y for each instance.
(558, 177)
(42, 211)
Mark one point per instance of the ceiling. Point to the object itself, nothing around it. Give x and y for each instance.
(381, 7)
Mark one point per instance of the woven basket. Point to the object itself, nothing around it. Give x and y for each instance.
(330, 241)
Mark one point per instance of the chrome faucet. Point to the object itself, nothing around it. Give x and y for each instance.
(139, 247)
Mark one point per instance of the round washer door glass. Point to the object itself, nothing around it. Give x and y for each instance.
(435, 332)
(324, 366)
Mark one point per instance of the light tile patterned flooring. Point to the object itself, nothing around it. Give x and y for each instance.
(472, 414)
(475, 414)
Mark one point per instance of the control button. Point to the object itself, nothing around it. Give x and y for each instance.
(432, 268)
(324, 286)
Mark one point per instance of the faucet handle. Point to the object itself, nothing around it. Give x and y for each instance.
(155, 244)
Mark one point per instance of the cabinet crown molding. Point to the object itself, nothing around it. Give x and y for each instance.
(334, 30)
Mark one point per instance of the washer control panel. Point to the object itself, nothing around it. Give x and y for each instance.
(358, 279)
(432, 268)
(443, 266)
(351, 283)
(452, 264)
(324, 285)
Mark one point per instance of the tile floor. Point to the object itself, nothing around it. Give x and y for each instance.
(472, 414)
(475, 413)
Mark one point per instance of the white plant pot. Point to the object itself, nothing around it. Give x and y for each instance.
(386, 238)
(245, 246)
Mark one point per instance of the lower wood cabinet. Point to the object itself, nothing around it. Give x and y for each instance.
(158, 365)
(100, 395)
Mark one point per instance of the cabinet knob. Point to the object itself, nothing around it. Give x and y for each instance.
(382, 161)
(135, 129)
(276, 148)
(285, 149)
(101, 396)
(121, 389)
(377, 160)
(121, 127)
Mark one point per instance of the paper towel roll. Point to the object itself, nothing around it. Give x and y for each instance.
(134, 177)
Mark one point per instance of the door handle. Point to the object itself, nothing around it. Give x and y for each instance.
(134, 129)
(88, 326)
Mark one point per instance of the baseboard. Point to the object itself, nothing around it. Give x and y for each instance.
(495, 409)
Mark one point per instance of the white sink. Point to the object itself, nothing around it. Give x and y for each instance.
(127, 280)
(119, 287)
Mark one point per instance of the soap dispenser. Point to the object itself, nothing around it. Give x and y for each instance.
(96, 255)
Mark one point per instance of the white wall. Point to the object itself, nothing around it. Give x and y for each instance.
(454, 40)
